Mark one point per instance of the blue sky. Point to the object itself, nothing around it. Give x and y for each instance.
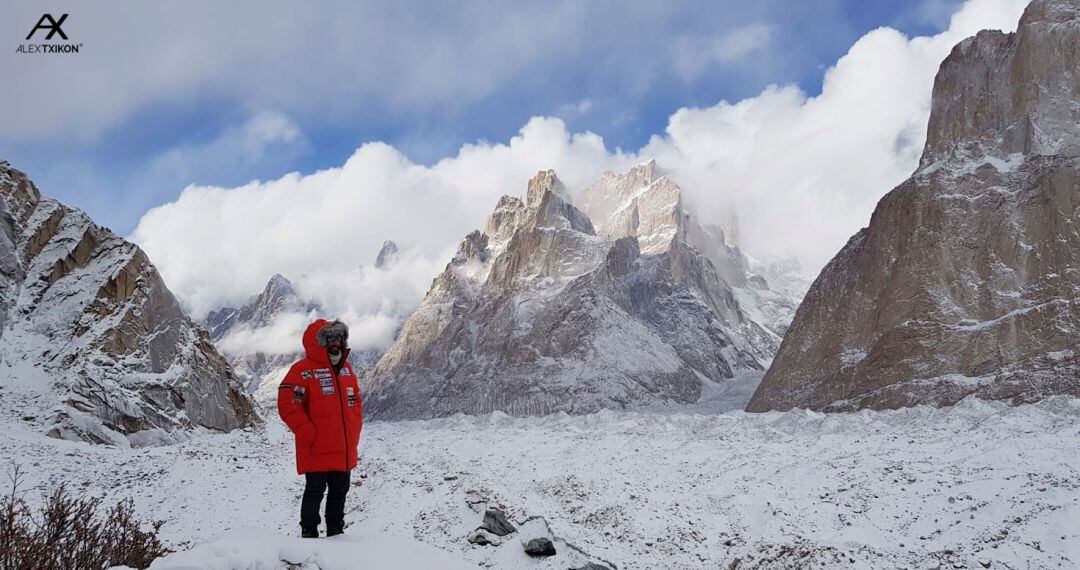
(216, 95)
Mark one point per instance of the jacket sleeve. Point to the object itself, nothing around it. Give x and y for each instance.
(293, 394)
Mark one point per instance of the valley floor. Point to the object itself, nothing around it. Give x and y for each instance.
(977, 485)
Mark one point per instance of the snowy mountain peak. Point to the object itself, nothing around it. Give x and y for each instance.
(543, 183)
(277, 297)
(636, 203)
(278, 286)
(535, 314)
(388, 254)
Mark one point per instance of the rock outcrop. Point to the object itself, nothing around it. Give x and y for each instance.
(88, 312)
(552, 308)
(967, 280)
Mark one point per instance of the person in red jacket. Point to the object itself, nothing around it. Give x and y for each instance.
(319, 400)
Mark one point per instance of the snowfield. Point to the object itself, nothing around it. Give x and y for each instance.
(977, 485)
(260, 548)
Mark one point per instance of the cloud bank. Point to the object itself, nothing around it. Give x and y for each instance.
(802, 174)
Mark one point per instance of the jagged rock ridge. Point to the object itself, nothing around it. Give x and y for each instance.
(967, 280)
(260, 369)
(552, 308)
(89, 311)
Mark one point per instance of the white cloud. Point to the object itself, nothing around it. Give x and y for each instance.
(802, 173)
(282, 336)
(693, 56)
(265, 134)
(217, 246)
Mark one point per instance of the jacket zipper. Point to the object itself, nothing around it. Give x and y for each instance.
(341, 402)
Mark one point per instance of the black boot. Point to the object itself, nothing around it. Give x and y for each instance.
(311, 533)
(333, 531)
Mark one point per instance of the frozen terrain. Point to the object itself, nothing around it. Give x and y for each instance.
(977, 485)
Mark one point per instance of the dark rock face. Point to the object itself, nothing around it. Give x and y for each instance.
(89, 310)
(539, 314)
(965, 281)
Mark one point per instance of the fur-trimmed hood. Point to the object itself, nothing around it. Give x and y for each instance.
(315, 339)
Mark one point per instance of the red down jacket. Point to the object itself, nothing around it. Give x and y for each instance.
(322, 408)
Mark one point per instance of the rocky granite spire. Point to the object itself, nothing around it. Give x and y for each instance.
(966, 281)
(87, 311)
(548, 310)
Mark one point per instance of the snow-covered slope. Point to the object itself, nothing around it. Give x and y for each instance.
(967, 280)
(549, 310)
(93, 346)
(980, 484)
(259, 549)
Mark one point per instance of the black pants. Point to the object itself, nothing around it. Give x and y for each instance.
(316, 485)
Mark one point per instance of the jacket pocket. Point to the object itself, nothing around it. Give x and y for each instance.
(306, 435)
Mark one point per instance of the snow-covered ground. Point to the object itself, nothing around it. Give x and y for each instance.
(977, 485)
(254, 548)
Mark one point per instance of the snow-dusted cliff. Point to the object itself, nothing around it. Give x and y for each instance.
(93, 346)
(967, 280)
(555, 308)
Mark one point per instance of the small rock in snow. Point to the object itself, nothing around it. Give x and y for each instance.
(495, 521)
(484, 538)
(540, 547)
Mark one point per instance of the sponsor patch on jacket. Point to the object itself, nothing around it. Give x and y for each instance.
(285, 386)
(298, 394)
(327, 386)
(345, 372)
(306, 374)
(351, 395)
(323, 373)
